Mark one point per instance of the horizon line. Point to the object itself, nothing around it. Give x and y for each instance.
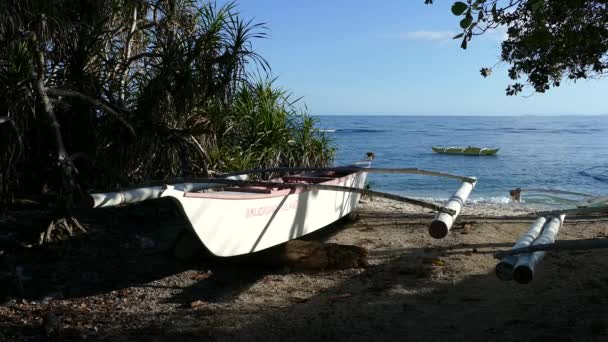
(461, 115)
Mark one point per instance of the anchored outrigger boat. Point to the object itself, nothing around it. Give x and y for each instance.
(233, 215)
(471, 151)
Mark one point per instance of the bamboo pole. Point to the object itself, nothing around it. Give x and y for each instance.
(110, 199)
(356, 169)
(137, 195)
(444, 220)
(504, 269)
(556, 246)
(523, 272)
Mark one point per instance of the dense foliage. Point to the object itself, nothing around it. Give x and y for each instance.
(547, 40)
(100, 94)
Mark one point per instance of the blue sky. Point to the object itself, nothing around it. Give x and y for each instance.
(396, 57)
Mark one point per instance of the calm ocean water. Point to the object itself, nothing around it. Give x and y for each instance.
(535, 151)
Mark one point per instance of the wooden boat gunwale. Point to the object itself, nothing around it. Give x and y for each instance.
(228, 195)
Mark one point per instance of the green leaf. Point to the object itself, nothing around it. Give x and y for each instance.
(537, 5)
(458, 35)
(463, 45)
(466, 22)
(459, 7)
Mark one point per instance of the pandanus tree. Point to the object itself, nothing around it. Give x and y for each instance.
(103, 94)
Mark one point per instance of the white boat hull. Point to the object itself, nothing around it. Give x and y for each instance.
(231, 223)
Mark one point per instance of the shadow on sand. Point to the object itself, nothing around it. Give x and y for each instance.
(405, 295)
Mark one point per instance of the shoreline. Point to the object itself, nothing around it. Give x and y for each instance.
(471, 208)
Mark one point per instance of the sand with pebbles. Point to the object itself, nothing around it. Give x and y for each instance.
(120, 282)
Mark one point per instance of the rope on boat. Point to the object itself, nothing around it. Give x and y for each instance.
(556, 246)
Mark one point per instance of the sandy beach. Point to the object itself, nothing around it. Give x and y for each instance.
(414, 288)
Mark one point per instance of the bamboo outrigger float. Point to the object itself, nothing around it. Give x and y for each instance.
(504, 269)
(520, 262)
(234, 215)
(520, 267)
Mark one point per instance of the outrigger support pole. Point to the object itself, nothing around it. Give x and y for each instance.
(355, 169)
(140, 194)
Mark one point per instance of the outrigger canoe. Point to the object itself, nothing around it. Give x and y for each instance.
(234, 216)
(473, 151)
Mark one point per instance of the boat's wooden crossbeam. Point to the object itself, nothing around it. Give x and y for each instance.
(310, 179)
(254, 190)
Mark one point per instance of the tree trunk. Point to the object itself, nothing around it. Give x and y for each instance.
(68, 185)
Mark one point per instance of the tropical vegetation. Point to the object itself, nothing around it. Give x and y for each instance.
(106, 94)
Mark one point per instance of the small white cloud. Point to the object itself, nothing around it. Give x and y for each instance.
(427, 35)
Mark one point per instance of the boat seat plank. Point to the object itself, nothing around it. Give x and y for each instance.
(255, 190)
(306, 179)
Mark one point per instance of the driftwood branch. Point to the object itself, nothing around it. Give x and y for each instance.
(556, 246)
(96, 103)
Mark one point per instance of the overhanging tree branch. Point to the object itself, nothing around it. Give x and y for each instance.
(70, 93)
